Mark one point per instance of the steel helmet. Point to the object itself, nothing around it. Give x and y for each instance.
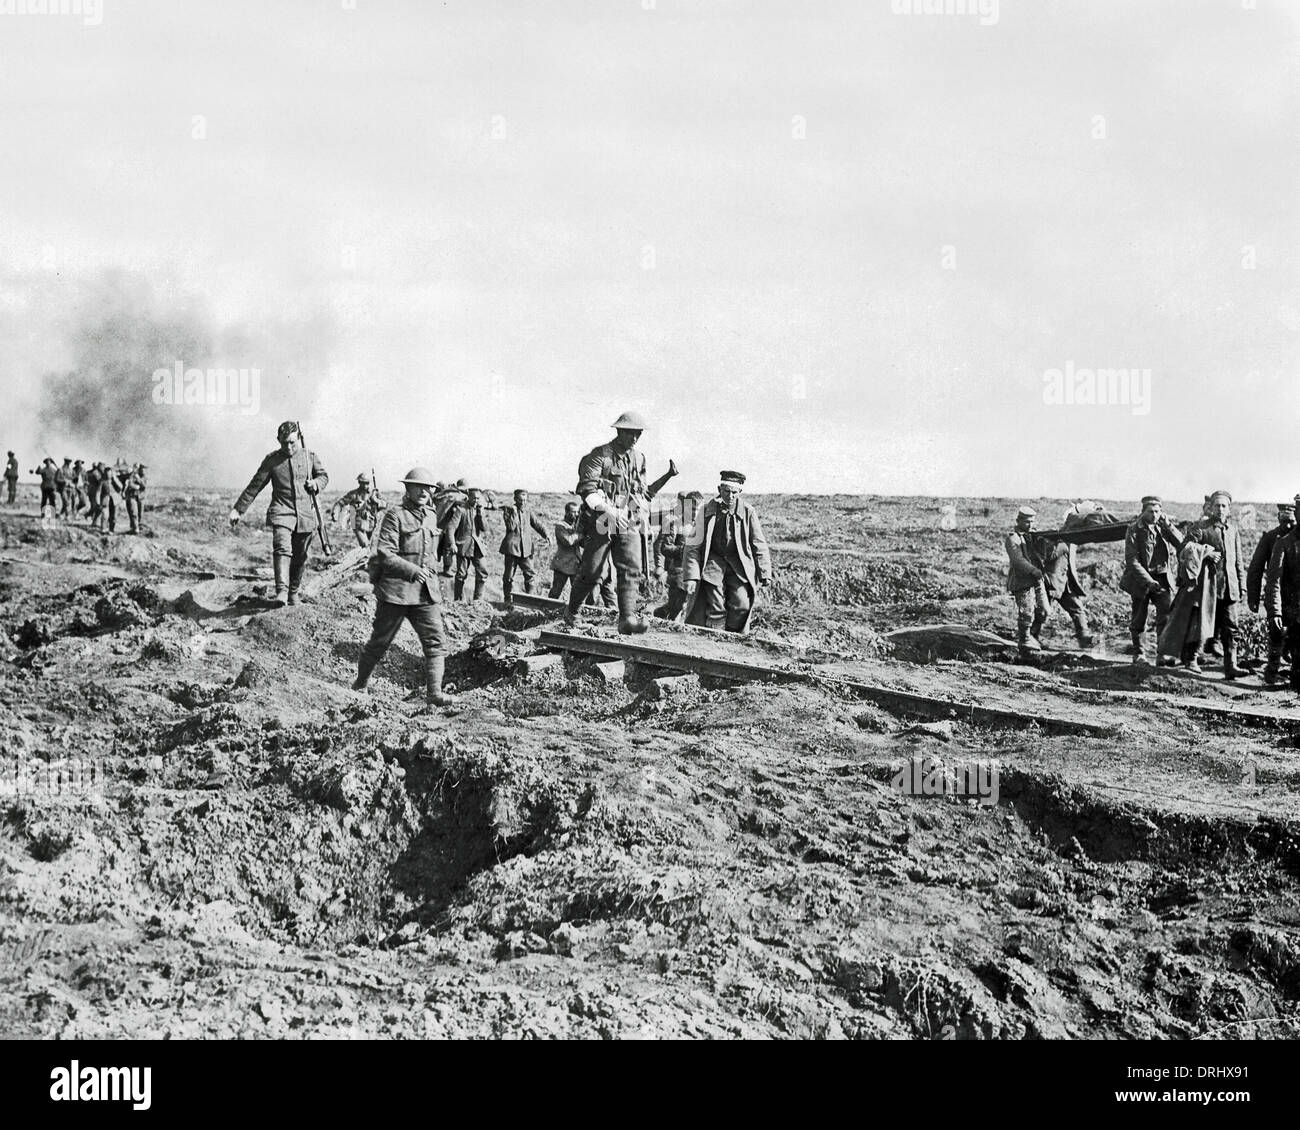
(632, 421)
(363, 477)
(420, 476)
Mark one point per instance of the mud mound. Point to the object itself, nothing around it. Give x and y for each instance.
(108, 606)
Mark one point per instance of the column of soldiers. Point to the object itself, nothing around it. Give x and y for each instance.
(69, 489)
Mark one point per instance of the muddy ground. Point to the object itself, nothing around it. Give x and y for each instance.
(205, 832)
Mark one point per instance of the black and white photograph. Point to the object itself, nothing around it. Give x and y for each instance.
(651, 520)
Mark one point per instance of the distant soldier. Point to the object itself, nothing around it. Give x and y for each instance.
(95, 489)
(366, 503)
(725, 560)
(63, 484)
(1025, 583)
(468, 528)
(444, 498)
(568, 551)
(670, 548)
(78, 486)
(406, 586)
(49, 474)
(1256, 579)
(295, 475)
(11, 477)
(1151, 546)
(615, 500)
(517, 544)
(1282, 596)
(1219, 533)
(132, 480)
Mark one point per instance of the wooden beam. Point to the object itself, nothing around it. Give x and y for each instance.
(895, 701)
(547, 604)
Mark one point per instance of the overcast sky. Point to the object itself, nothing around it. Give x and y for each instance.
(826, 243)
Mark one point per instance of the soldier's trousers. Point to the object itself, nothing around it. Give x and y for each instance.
(676, 601)
(1031, 608)
(1163, 601)
(426, 619)
(596, 550)
(288, 542)
(49, 497)
(66, 497)
(111, 509)
(1277, 643)
(13, 489)
(560, 580)
(524, 565)
(726, 605)
(1291, 630)
(133, 509)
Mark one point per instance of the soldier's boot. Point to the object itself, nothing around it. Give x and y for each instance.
(365, 666)
(1036, 628)
(458, 589)
(1025, 641)
(528, 584)
(1137, 650)
(579, 591)
(1190, 660)
(1212, 647)
(629, 623)
(1274, 662)
(507, 592)
(434, 667)
(1081, 632)
(478, 588)
(297, 567)
(1230, 668)
(280, 567)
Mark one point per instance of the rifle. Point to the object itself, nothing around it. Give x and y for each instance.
(315, 496)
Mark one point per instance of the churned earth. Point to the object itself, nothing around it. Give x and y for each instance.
(205, 832)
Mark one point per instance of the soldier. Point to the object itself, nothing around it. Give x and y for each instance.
(467, 527)
(1220, 534)
(568, 551)
(444, 498)
(132, 482)
(517, 544)
(406, 588)
(670, 549)
(78, 486)
(94, 494)
(11, 477)
(1255, 580)
(49, 489)
(615, 498)
(366, 503)
(1282, 597)
(1025, 583)
(63, 484)
(295, 475)
(725, 560)
(1150, 572)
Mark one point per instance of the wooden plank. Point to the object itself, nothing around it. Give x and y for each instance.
(547, 604)
(895, 701)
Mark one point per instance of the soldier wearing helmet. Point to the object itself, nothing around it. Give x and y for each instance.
(366, 503)
(614, 518)
(406, 586)
(295, 475)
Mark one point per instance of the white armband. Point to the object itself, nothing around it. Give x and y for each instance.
(595, 501)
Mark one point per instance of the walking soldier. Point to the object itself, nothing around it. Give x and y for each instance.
(1255, 581)
(517, 545)
(295, 476)
(406, 586)
(1025, 583)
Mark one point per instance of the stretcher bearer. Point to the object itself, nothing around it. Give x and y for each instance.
(1025, 583)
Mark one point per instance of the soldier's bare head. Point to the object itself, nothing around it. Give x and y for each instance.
(1220, 505)
(287, 434)
(521, 495)
(570, 511)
